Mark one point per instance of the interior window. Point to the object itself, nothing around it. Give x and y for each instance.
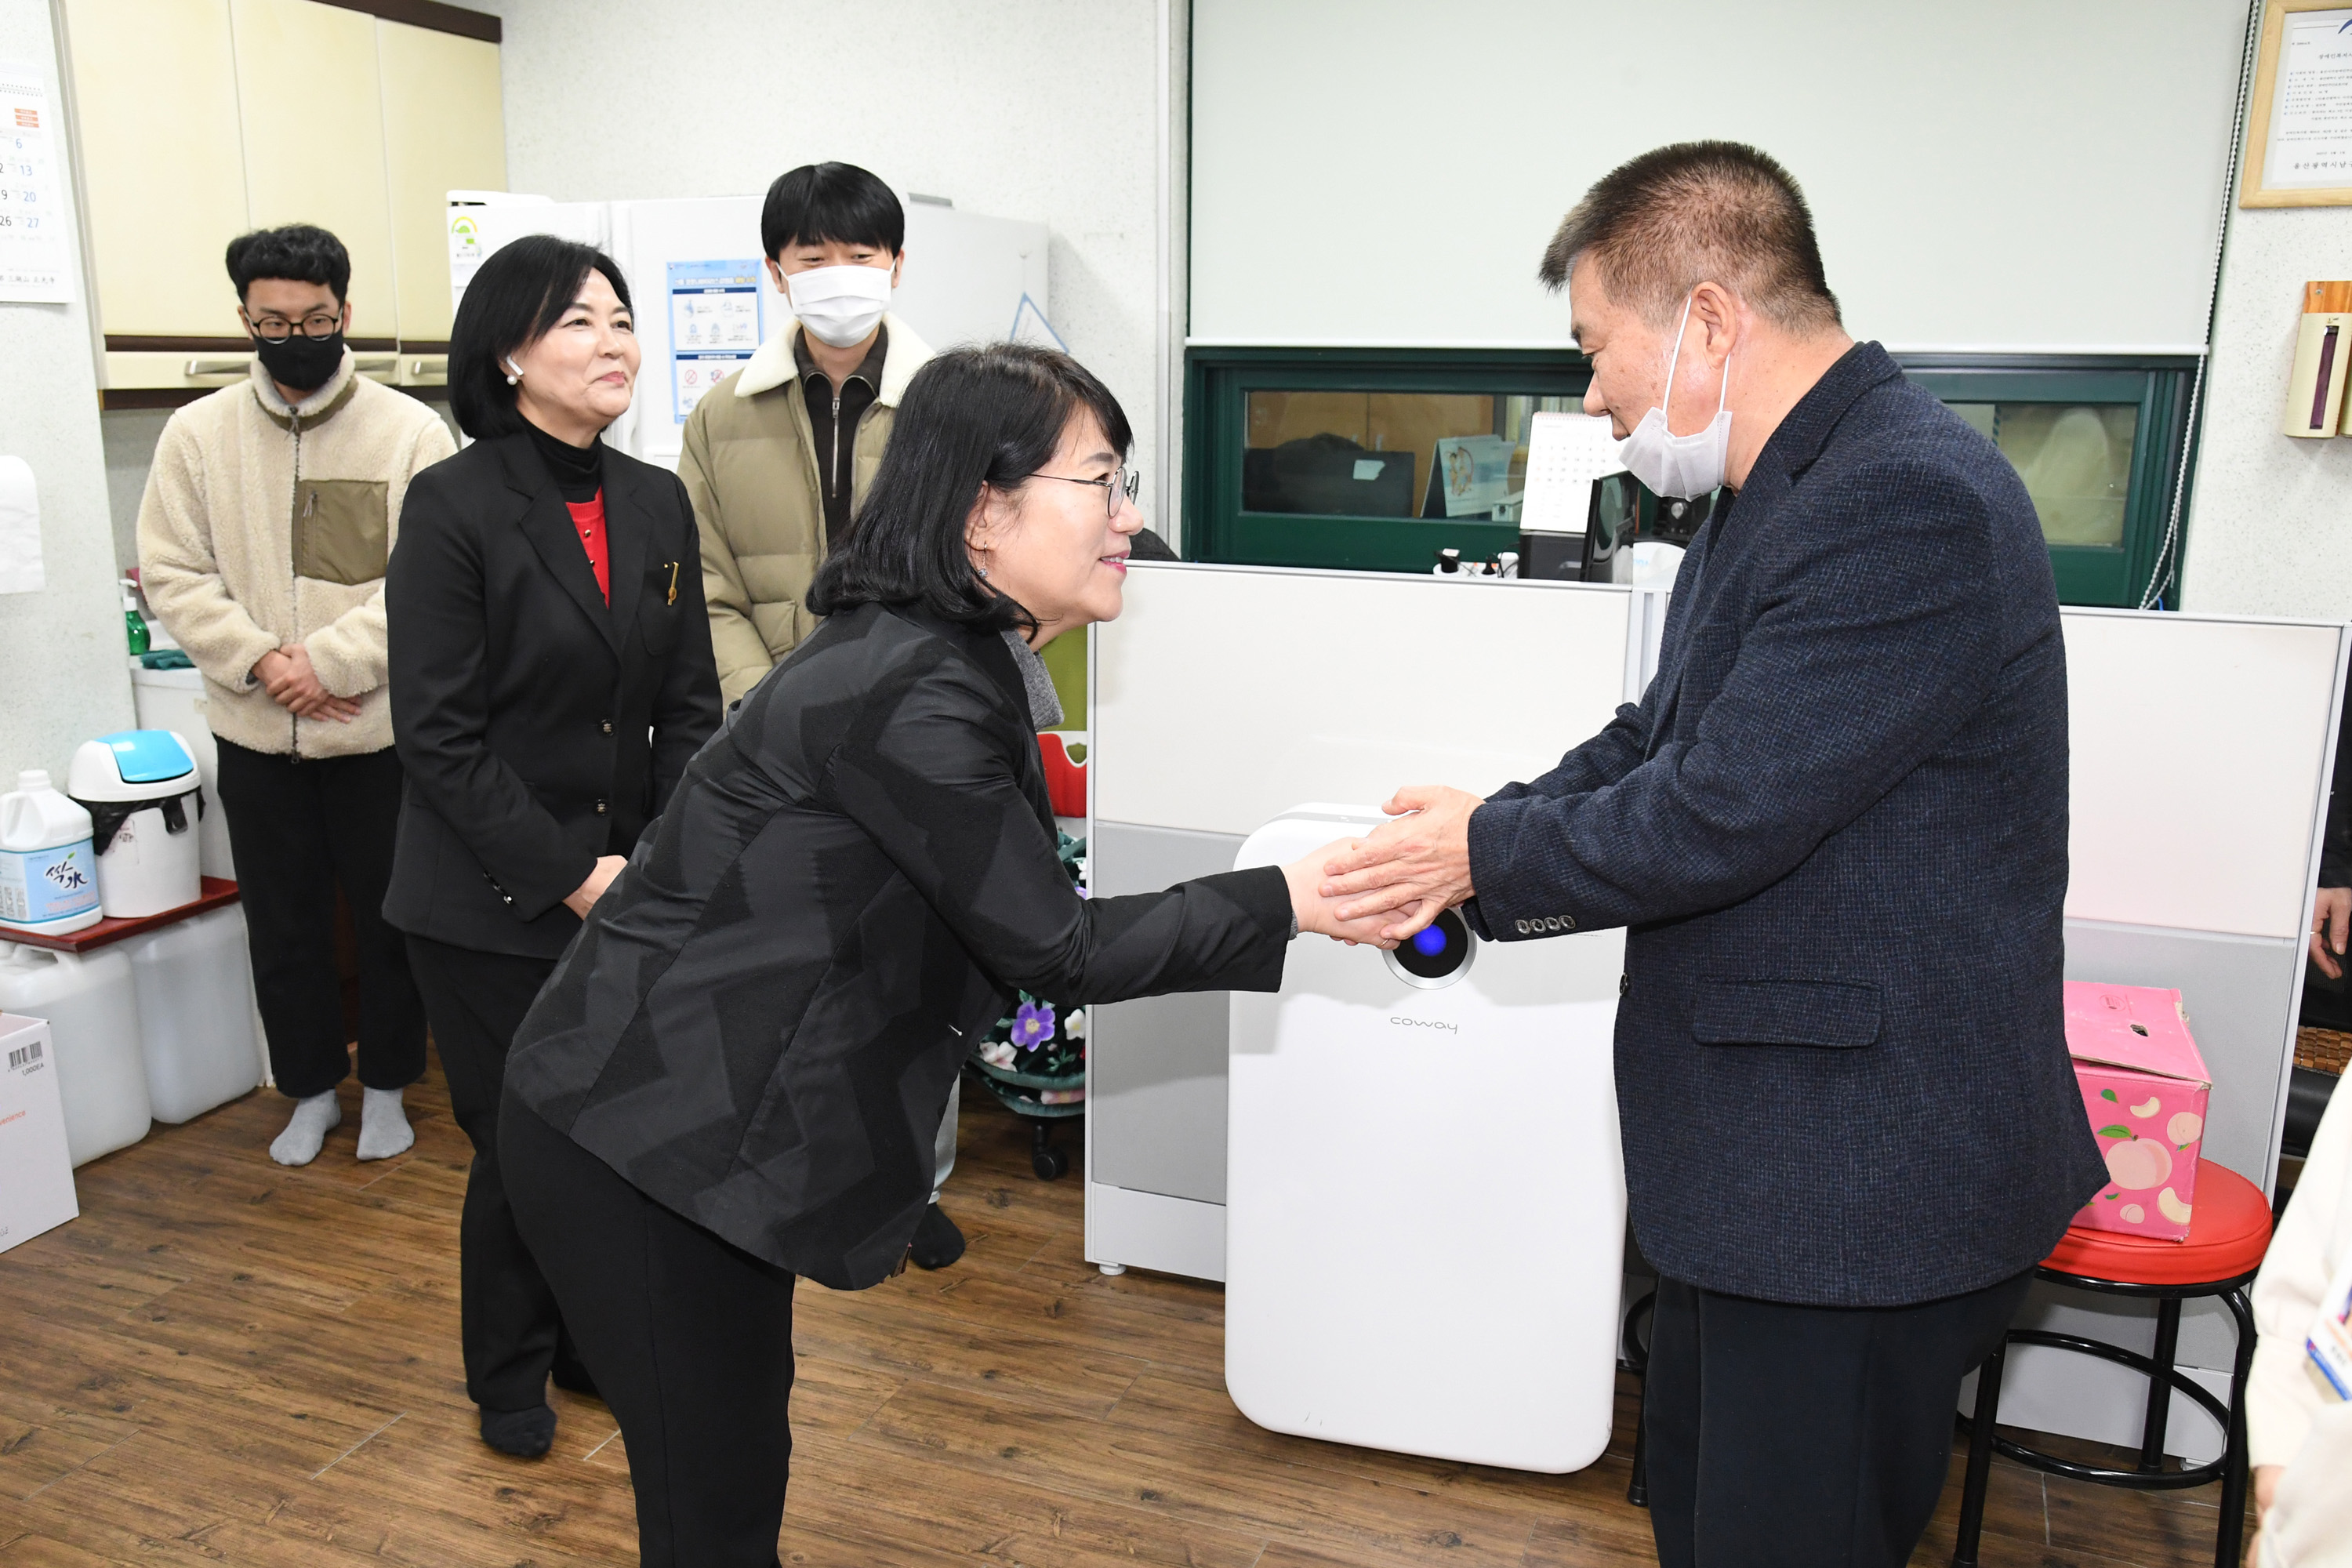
(1388, 454)
(2075, 458)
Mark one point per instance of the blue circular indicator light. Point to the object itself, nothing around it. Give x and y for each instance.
(1429, 942)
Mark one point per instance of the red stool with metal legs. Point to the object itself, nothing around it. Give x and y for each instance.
(2226, 1237)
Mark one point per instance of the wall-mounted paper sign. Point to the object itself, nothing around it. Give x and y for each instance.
(20, 530)
(1473, 473)
(714, 325)
(2298, 151)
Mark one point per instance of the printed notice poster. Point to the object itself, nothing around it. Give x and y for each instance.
(465, 253)
(2311, 117)
(35, 265)
(714, 326)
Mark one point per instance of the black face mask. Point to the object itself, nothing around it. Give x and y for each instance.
(303, 364)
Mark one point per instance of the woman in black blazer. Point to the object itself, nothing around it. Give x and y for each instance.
(734, 1076)
(551, 674)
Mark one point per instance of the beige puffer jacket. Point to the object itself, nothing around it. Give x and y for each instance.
(749, 465)
(265, 524)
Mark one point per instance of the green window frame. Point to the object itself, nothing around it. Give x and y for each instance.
(2156, 386)
(1218, 383)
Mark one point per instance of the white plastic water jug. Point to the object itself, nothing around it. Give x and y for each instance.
(145, 798)
(196, 1006)
(48, 869)
(92, 1008)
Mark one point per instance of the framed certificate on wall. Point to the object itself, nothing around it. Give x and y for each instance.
(2299, 120)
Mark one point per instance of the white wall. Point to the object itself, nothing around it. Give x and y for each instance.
(1991, 174)
(2270, 529)
(63, 664)
(1039, 110)
(130, 435)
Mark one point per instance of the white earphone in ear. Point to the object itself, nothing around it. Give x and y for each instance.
(514, 372)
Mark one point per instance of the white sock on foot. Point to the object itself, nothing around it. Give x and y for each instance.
(384, 1125)
(313, 1119)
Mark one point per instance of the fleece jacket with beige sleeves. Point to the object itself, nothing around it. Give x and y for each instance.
(749, 465)
(2293, 1418)
(266, 523)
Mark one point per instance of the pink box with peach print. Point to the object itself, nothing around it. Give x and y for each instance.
(2144, 1087)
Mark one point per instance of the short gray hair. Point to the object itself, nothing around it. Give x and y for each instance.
(1699, 212)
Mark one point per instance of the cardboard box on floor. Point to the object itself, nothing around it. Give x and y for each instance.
(37, 1189)
(2144, 1087)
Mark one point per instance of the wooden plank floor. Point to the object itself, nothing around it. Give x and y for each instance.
(226, 1361)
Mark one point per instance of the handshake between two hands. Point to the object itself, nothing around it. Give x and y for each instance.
(1382, 888)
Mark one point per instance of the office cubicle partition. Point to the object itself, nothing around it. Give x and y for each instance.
(2201, 754)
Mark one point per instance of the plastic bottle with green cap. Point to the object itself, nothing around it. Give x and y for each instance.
(133, 622)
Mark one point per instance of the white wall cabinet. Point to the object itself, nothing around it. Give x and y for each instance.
(198, 120)
(313, 123)
(162, 160)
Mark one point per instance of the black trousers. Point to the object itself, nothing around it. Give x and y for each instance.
(296, 829)
(1805, 1436)
(689, 1340)
(513, 1332)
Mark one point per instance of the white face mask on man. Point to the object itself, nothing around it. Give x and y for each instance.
(839, 305)
(1680, 467)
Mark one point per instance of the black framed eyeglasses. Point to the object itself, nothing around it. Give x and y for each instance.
(1121, 481)
(316, 324)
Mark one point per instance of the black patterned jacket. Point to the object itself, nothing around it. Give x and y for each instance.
(759, 1024)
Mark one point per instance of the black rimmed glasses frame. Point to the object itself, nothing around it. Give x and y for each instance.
(316, 324)
(1121, 481)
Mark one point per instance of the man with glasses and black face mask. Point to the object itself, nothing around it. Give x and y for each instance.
(269, 514)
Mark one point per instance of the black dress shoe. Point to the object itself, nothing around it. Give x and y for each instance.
(572, 1378)
(938, 1242)
(525, 1434)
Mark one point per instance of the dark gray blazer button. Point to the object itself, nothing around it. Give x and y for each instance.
(1624, 984)
(1522, 926)
(1568, 923)
(604, 725)
(600, 808)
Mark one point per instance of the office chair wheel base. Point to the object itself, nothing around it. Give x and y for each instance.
(1050, 1163)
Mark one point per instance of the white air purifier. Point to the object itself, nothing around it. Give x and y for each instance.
(1426, 1193)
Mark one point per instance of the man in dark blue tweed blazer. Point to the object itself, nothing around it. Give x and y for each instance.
(1835, 829)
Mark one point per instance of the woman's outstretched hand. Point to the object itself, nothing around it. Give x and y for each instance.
(1319, 914)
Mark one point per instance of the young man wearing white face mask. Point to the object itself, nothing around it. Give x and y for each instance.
(778, 456)
(1834, 828)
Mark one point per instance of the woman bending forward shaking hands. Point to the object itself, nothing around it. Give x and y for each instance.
(736, 1073)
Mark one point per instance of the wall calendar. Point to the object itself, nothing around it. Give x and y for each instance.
(35, 263)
